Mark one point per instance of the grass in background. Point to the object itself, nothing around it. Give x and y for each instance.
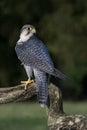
(30, 116)
(26, 116)
(75, 108)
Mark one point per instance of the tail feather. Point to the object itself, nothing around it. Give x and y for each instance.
(59, 74)
(42, 95)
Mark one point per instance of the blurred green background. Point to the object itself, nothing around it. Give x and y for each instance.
(30, 116)
(62, 25)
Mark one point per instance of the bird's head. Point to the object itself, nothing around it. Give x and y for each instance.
(27, 31)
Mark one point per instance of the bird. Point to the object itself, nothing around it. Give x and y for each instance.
(35, 57)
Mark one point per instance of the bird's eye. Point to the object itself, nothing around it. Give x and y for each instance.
(29, 29)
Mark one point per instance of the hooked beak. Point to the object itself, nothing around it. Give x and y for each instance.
(32, 30)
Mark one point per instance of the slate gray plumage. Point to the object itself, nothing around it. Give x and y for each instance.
(34, 54)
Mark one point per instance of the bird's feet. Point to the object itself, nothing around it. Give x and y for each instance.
(26, 83)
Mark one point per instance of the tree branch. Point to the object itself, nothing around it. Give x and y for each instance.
(16, 93)
(57, 119)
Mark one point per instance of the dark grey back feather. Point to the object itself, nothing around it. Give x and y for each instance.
(35, 54)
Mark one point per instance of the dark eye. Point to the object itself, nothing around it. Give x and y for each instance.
(29, 29)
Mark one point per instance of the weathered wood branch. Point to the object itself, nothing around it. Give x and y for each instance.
(16, 93)
(57, 119)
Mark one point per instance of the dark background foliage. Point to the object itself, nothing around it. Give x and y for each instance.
(62, 25)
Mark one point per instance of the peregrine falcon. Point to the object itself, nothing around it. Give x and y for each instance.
(34, 55)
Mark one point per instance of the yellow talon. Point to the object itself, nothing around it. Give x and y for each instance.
(26, 83)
